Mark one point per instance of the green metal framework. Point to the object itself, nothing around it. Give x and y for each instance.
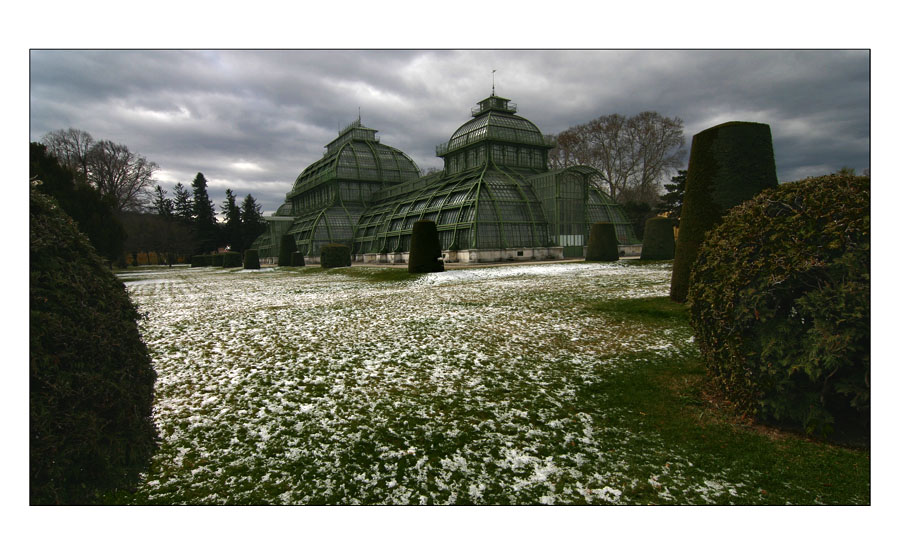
(330, 196)
(495, 192)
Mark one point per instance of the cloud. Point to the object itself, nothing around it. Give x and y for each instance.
(253, 120)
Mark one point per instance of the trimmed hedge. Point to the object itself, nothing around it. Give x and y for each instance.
(602, 244)
(216, 260)
(730, 163)
(659, 239)
(231, 259)
(287, 247)
(780, 303)
(425, 249)
(297, 259)
(91, 378)
(251, 259)
(335, 255)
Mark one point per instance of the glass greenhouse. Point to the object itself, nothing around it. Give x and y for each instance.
(494, 200)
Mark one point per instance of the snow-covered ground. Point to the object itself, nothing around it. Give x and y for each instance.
(466, 386)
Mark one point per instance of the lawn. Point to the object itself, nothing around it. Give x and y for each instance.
(572, 383)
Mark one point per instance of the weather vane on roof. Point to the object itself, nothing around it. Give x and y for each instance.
(492, 82)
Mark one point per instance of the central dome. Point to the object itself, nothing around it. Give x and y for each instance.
(494, 119)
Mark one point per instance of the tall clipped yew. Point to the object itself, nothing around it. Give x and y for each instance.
(231, 259)
(780, 303)
(425, 249)
(297, 259)
(251, 259)
(335, 255)
(286, 248)
(91, 378)
(659, 239)
(602, 244)
(729, 163)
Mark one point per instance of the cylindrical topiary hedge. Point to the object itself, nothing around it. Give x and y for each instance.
(231, 259)
(297, 259)
(730, 163)
(251, 259)
(659, 239)
(91, 378)
(602, 244)
(425, 249)
(335, 255)
(287, 247)
(780, 303)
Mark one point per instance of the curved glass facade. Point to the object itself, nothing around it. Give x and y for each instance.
(495, 193)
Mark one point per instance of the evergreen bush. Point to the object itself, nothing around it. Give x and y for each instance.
(780, 303)
(231, 259)
(297, 259)
(287, 247)
(91, 378)
(729, 163)
(425, 248)
(251, 259)
(335, 255)
(602, 244)
(659, 239)
(216, 260)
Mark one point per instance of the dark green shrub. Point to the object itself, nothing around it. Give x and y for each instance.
(297, 259)
(287, 247)
(729, 163)
(335, 255)
(602, 244)
(425, 248)
(216, 260)
(780, 303)
(659, 239)
(91, 379)
(251, 259)
(196, 261)
(231, 259)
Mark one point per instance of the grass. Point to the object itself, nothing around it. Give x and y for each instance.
(544, 384)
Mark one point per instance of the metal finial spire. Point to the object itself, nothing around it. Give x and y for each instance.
(492, 82)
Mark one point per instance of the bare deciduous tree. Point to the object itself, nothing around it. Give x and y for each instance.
(633, 154)
(121, 175)
(71, 147)
(126, 178)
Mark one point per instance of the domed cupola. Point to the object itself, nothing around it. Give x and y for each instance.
(497, 134)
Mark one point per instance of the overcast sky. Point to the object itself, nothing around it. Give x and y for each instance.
(252, 120)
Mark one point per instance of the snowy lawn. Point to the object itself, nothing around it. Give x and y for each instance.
(503, 385)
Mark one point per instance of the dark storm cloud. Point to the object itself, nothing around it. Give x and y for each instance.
(252, 120)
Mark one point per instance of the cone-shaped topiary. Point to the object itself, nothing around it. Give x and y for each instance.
(287, 247)
(602, 244)
(425, 248)
(297, 259)
(780, 303)
(251, 259)
(335, 255)
(729, 163)
(231, 259)
(91, 378)
(659, 239)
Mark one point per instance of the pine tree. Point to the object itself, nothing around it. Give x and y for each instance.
(252, 222)
(204, 213)
(232, 232)
(183, 204)
(162, 205)
(674, 197)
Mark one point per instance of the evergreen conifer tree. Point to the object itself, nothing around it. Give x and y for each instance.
(252, 222)
(204, 213)
(183, 204)
(232, 214)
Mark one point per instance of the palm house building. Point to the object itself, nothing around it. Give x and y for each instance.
(495, 200)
